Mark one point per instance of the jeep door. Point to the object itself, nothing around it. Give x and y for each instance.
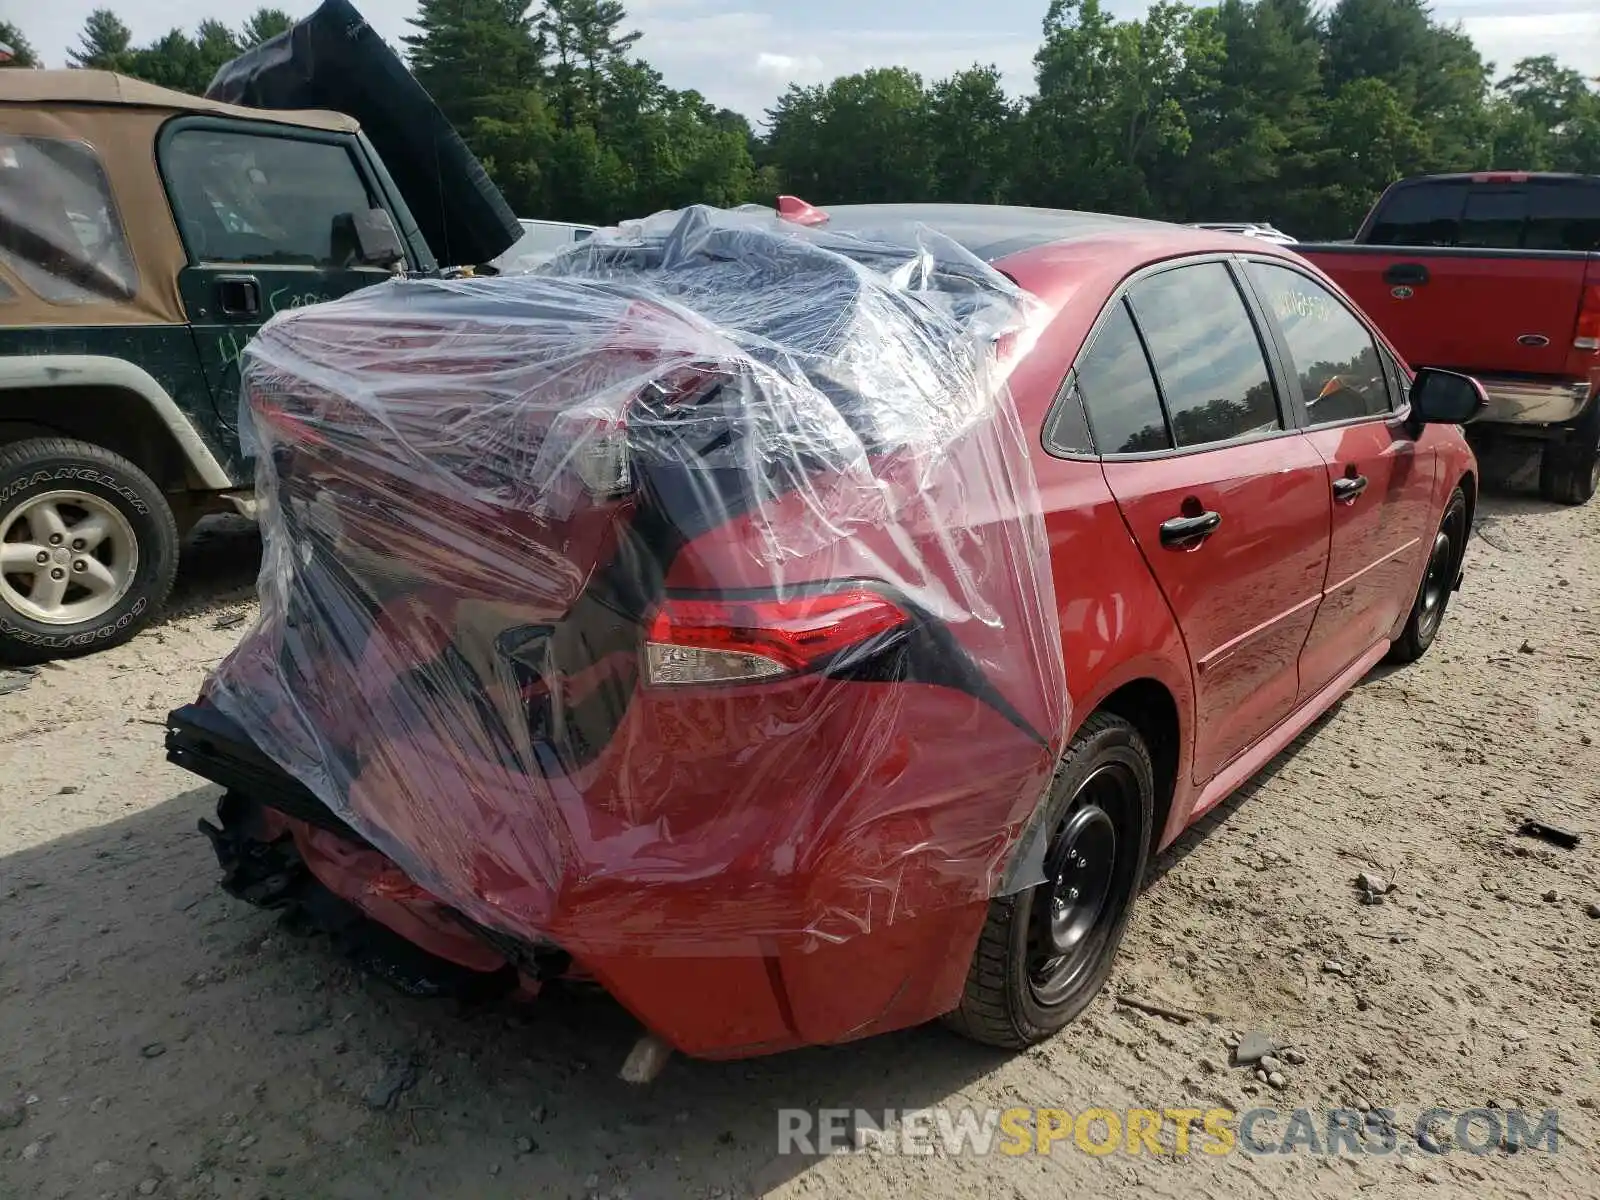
(263, 210)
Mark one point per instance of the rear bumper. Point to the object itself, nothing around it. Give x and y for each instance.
(726, 996)
(1534, 402)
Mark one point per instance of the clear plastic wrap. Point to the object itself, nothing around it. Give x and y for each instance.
(689, 591)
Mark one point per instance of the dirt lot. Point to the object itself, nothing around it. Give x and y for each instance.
(160, 1038)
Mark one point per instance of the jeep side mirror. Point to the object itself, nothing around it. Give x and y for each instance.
(1445, 397)
(369, 238)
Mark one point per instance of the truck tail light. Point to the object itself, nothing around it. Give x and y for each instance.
(1587, 336)
(704, 641)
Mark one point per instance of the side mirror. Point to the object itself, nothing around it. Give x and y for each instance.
(369, 238)
(1445, 397)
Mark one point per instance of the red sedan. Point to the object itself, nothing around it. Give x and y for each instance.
(1248, 501)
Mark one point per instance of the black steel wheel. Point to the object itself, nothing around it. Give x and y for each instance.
(1044, 953)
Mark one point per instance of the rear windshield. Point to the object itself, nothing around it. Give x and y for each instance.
(1535, 214)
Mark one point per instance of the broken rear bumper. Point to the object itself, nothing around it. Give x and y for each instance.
(281, 847)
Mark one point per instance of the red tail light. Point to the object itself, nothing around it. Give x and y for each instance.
(730, 641)
(1587, 336)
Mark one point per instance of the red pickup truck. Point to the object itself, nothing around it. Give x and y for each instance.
(1496, 275)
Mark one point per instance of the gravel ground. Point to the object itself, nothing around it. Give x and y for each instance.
(162, 1039)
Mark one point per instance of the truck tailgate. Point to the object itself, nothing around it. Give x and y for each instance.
(1495, 312)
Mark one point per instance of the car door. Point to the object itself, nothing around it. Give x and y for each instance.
(1227, 501)
(1380, 483)
(257, 207)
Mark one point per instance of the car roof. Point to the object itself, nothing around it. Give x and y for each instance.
(105, 88)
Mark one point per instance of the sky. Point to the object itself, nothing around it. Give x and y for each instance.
(742, 54)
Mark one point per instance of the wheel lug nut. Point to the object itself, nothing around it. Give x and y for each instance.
(55, 539)
(41, 557)
(1072, 893)
(80, 565)
(57, 573)
(78, 543)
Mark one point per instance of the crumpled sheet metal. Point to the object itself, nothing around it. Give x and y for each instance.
(480, 495)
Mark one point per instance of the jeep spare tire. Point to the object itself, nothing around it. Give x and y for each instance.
(88, 549)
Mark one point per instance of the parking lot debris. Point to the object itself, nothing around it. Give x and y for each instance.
(17, 678)
(398, 1076)
(1594, 910)
(1556, 836)
(1252, 1048)
(646, 1060)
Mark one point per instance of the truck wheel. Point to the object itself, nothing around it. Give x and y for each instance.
(1569, 469)
(88, 549)
(1046, 952)
(1569, 474)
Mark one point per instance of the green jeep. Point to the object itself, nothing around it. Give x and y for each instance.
(145, 235)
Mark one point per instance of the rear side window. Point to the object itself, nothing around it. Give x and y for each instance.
(1423, 214)
(60, 233)
(1341, 373)
(255, 198)
(1207, 355)
(1118, 391)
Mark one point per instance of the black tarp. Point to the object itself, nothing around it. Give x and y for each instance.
(334, 60)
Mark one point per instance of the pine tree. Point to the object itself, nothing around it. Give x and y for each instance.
(104, 44)
(264, 24)
(17, 52)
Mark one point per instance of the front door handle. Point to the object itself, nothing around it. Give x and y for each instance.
(1185, 532)
(1349, 488)
(1406, 273)
(239, 295)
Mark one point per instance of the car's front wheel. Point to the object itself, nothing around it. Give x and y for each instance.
(88, 549)
(1046, 952)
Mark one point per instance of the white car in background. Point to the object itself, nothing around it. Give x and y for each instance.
(539, 240)
(1255, 229)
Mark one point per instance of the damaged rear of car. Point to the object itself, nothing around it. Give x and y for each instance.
(677, 615)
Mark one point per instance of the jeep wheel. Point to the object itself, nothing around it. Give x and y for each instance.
(88, 549)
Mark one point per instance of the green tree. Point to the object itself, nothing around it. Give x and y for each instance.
(22, 54)
(104, 44)
(971, 130)
(263, 25)
(474, 56)
(862, 138)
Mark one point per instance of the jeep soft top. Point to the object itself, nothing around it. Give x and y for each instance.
(145, 235)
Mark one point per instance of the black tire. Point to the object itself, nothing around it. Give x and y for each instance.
(1006, 1002)
(1438, 582)
(1569, 474)
(30, 470)
(1569, 469)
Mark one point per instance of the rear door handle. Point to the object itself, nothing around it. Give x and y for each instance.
(239, 295)
(1348, 489)
(1406, 273)
(1184, 532)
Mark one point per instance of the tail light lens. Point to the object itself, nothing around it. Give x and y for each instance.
(1588, 333)
(701, 641)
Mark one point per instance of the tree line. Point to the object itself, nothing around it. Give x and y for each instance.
(1278, 110)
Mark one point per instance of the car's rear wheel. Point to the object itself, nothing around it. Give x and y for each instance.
(1045, 953)
(1438, 582)
(88, 549)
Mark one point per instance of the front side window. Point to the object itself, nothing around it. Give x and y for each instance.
(1341, 374)
(1207, 355)
(1118, 392)
(250, 198)
(60, 233)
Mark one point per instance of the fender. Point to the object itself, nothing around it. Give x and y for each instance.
(95, 370)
